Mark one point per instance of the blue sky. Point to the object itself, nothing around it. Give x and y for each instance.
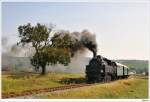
(121, 28)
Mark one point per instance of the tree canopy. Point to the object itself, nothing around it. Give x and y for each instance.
(47, 50)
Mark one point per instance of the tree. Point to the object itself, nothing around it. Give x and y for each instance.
(45, 52)
(63, 39)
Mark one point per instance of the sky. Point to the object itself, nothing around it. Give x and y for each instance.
(121, 29)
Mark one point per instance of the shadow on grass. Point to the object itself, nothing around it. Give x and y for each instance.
(73, 80)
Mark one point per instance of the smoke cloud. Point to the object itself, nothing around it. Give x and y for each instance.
(82, 41)
(4, 41)
(18, 56)
(89, 41)
(15, 50)
(77, 65)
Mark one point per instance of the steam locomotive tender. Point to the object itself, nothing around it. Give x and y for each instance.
(101, 69)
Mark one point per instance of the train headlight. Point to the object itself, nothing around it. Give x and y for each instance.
(102, 71)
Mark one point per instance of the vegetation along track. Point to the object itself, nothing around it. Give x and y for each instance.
(38, 91)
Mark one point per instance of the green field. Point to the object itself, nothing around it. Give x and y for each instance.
(27, 81)
(133, 87)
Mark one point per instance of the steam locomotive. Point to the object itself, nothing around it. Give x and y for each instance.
(101, 69)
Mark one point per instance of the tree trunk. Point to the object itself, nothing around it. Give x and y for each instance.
(43, 70)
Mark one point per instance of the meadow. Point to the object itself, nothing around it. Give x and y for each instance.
(133, 87)
(17, 83)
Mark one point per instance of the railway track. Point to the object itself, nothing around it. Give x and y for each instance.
(38, 91)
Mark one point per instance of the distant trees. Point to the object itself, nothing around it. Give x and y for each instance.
(139, 70)
(47, 50)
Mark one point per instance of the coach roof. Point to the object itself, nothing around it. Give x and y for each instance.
(119, 64)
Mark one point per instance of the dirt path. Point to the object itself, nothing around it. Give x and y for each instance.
(37, 96)
(33, 93)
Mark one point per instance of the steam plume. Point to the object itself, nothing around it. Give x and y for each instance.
(89, 41)
(82, 40)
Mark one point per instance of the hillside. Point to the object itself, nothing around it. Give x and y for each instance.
(138, 65)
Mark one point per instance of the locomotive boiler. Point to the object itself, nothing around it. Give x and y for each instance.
(101, 69)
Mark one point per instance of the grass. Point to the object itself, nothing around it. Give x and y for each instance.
(27, 81)
(133, 88)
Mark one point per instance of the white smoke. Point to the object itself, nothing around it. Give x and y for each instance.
(77, 65)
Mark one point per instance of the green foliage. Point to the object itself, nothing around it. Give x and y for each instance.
(62, 39)
(60, 55)
(46, 53)
(37, 35)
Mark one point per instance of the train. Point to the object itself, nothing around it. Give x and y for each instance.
(101, 69)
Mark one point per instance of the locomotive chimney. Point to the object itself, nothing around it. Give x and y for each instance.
(94, 53)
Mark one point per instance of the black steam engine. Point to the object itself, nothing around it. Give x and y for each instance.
(101, 69)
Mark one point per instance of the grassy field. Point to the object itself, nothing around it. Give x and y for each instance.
(27, 81)
(128, 88)
(133, 87)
